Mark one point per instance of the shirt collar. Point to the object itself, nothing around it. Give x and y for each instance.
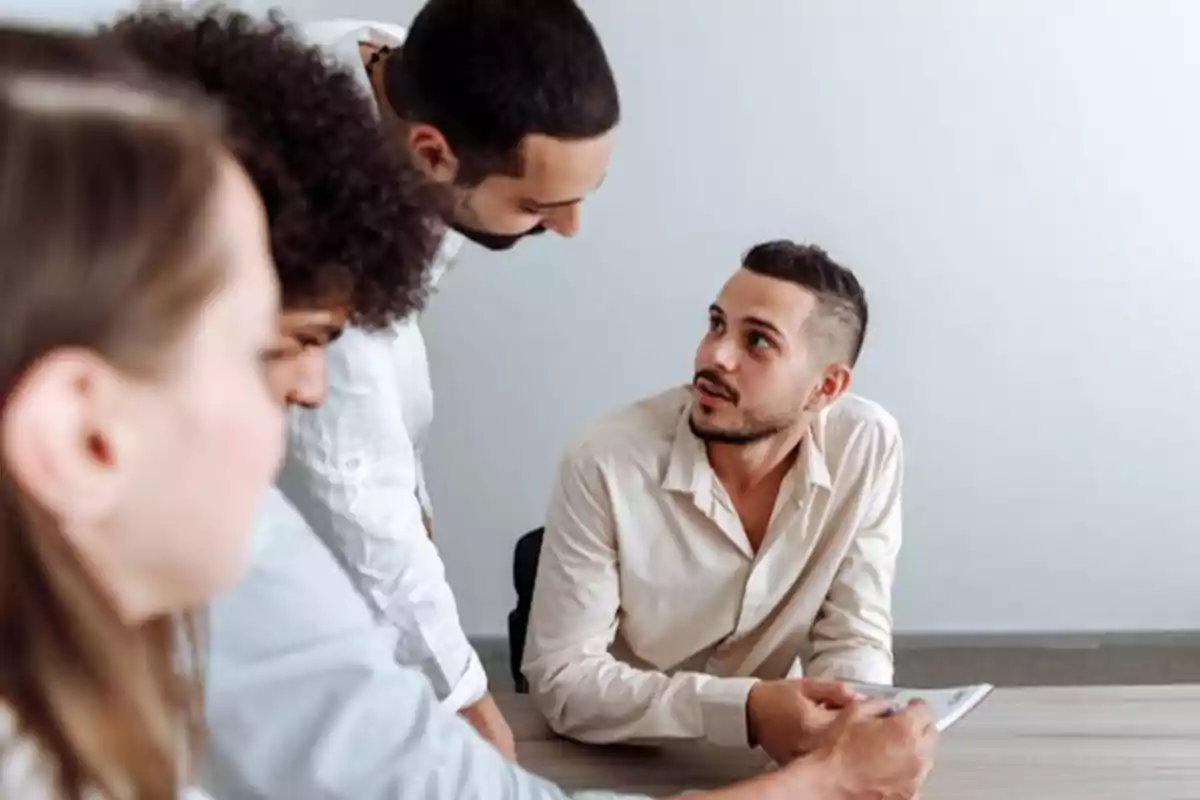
(447, 255)
(688, 469)
(812, 454)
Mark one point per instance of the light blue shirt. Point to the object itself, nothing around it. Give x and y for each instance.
(305, 700)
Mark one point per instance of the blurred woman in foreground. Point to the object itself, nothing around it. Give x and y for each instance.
(138, 309)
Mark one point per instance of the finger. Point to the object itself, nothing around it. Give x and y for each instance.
(918, 715)
(868, 709)
(832, 693)
(857, 713)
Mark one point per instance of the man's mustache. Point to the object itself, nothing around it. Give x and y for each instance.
(714, 384)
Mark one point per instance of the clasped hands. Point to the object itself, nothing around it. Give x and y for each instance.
(875, 747)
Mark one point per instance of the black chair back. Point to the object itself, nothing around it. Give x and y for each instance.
(525, 565)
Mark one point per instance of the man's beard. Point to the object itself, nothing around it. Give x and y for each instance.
(745, 435)
(749, 433)
(486, 238)
(496, 241)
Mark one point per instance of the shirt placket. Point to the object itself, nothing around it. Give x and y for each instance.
(756, 599)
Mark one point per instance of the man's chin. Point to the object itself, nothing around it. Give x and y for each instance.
(703, 428)
(706, 430)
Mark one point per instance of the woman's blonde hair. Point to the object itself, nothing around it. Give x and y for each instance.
(106, 192)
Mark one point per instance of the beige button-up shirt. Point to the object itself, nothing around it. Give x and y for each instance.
(652, 615)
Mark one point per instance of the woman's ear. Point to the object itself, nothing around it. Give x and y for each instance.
(61, 431)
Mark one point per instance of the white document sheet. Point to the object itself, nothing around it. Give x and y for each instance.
(949, 705)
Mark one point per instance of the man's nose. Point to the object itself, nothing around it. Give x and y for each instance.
(564, 221)
(308, 379)
(725, 354)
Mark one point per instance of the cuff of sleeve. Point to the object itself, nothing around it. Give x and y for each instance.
(470, 688)
(723, 710)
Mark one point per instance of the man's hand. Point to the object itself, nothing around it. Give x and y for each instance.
(787, 718)
(486, 718)
(868, 753)
(871, 751)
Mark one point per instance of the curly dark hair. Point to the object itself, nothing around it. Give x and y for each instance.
(348, 209)
(842, 303)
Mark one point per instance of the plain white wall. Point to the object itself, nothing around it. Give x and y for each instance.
(1017, 182)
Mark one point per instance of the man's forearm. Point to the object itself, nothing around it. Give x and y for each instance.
(600, 700)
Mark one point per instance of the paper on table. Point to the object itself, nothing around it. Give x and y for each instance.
(948, 705)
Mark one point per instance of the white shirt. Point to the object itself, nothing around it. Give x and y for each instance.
(354, 466)
(305, 700)
(652, 616)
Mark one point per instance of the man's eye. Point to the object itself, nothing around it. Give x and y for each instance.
(757, 341)
(716, 325)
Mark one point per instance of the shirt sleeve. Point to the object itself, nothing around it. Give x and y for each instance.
(306, 702)
(582, 690)
(352, 472)
(852, 636)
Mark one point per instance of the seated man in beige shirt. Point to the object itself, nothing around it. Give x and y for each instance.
(708, 546)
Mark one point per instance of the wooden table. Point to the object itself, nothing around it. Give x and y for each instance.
(1102, 743)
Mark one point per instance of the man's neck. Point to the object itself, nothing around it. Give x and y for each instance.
(742, 467)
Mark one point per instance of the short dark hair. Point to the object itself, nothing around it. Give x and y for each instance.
(348, 210)
(842, 303)
(487, 73)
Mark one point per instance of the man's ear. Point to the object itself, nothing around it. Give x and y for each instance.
(61, 436)
(432, 153)
(833, 384)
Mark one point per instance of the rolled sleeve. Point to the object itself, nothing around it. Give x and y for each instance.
(352, 472)
(471, 686)
(852, 637)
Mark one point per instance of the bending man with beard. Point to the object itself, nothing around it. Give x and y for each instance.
(510, 107)
(707, 547)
